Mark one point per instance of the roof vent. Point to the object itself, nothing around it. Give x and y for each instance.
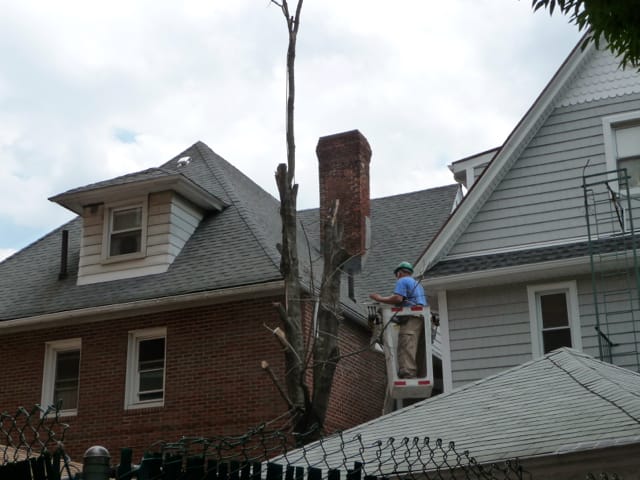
(184, 161)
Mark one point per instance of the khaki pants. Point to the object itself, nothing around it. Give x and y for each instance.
(408, 338)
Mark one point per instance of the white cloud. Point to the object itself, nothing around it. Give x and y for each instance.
(425, 82)
(6, 252)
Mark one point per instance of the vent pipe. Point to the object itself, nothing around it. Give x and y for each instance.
(63, 255)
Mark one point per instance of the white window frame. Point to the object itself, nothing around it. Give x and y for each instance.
(609, 125)
(109, 208)
(51, 351)
(131, 385)
(533, 293)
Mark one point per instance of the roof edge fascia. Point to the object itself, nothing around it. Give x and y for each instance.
(75, 201)
(139, 307)
(493, 173)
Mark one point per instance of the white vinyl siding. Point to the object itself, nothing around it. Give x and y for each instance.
(540, 199)
(616, 299)
(490, 329)
(171, 220)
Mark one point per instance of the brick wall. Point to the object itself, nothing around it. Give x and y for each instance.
(214, 382)
(359, 383)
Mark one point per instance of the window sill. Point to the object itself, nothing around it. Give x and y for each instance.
(144, 408)
(147, 404)
(68, 413)
(122, 258)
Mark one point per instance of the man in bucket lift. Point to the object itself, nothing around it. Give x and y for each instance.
(407, 292)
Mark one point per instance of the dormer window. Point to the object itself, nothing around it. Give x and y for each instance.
(125, 231)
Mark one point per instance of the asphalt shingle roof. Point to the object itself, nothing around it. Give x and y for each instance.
(230, 248)
(565, 401)
(234, 247)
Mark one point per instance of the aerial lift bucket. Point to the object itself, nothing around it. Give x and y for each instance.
(386, 319)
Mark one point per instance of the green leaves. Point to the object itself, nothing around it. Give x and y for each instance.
(617, 22)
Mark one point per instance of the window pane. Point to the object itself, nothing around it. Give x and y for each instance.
(628, 141)
(123, 243)
(127, 219)
(553, 339)
(66, 383)
(151, 350)
(554, 310)
(633, 170)
(150, 396)
(151, 369)
(151, 380)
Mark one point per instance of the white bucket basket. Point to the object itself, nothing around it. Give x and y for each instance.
(422, 385)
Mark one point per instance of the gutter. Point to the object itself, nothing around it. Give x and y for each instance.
(139, 307)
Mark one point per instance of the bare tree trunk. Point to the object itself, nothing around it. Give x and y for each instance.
(326, 349)
(312, 409)
(288, 190)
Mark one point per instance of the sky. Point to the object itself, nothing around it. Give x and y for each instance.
(93, 90)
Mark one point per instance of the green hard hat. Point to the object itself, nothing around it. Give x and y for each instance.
(403, 266)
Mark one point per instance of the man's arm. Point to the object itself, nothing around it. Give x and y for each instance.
(391, 299)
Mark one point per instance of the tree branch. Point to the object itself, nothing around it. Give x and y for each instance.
(265, 366)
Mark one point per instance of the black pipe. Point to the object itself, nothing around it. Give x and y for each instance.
(63, 255)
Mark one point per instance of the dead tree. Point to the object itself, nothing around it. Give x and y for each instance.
(311, 406)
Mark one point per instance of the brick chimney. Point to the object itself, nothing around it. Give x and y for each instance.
(343, 161)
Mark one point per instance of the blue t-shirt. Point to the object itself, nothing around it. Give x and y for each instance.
(411, 290)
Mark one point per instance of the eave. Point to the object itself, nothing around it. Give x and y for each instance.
(140, 307)
(75, 201)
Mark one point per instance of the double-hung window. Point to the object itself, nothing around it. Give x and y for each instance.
(125, 230)
(145, 379)
(554, 317)
(622, 145)
(61, 375)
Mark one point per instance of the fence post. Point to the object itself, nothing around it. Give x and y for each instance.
(96, 464)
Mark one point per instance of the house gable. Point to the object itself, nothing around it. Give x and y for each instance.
(531, 195)
(500, 164)
(520, 239)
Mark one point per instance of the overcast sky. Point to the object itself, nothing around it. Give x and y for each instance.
(93, 90)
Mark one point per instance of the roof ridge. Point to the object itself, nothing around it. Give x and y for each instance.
(593, 388)
(574, 354)
(239, 202)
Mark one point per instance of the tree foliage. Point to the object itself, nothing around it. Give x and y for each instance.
(617, 22)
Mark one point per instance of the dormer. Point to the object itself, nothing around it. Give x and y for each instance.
(467, 170)
(136, 224)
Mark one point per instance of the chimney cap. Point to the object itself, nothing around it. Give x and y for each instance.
(348, 137)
